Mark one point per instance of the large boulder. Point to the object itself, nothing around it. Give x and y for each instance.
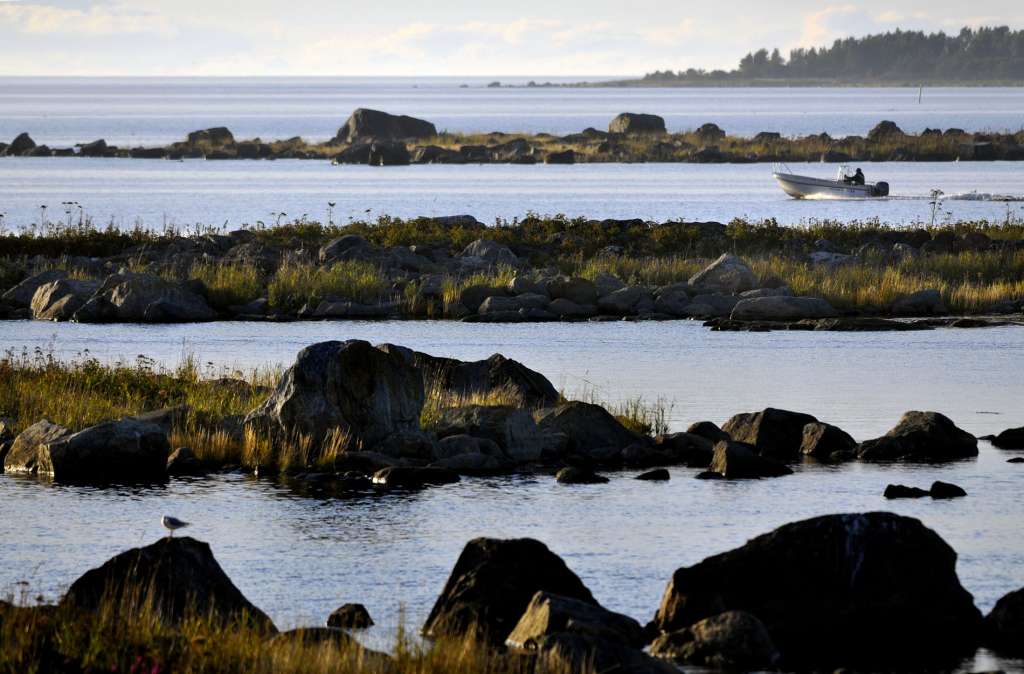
(350, 387)
(921, 436)
(511, 428)
(781, 308)
(550, 613)
(824, 440)
(59, 300)
(626, 301)
(214, 137)
(491, 586)
(873, 589)
(344, 248)
(633, 122)
(1011, 438)
(350, 616)
(732, 640)
(1004, 625)
(143, 298)
(21, 295)
(740, 461)
(590, 429)
(23, 456)
(775, 433)
(366, 124)
(466, 379)
(127, 449)
(491, 252)
(178, 577)
(577, 290)
(22, 144)
(728, 274)
(921, 303)
(884, 129)
(388, 153)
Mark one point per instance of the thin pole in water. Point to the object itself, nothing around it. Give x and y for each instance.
(920, 91)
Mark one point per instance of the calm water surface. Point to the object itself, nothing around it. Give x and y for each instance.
(156, 193)
(300, 556)
(151, 111)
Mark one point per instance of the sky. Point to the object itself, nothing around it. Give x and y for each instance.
(441, 37)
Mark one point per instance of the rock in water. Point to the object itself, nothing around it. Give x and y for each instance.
(1011, 438)
(733, 640)
(778, 434)
(634, 122)
(351, 616)
(23, 455)
(782, 309)
(944, 490)
(348, 386)
(128, 449)
(728, 274)
(178, 575)
(550, 613)
(823, 440)
(366, 124)
(903, 491)
(491, 585)
(872, 589)
(1004, 625)
(578, 475)
(738, 461)
(921, 436)
(592, 431)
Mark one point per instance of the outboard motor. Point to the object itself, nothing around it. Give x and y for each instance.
(880, 190)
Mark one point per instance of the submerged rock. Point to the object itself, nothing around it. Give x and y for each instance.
(656, 475)
(873, 589)
(178, 577)
(579, 475)
(903, 491)
(921, 436)
(739, 460)
(491, 586)
(943, 490)
(413, 477)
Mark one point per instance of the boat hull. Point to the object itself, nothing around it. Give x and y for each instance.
(807, 187)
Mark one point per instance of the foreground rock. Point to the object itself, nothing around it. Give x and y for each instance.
(921, 436)
(1004, 625)
(733, 640)
(128, 449)
(179, 577)
(491, 586)
(574, 652)
(347, 388)
(549, 614)
(872, 589)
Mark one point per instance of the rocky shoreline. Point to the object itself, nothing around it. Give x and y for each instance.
(873, 590)
(376, 138)
(535, 271)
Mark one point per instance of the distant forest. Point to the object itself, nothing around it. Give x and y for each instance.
(973, 55)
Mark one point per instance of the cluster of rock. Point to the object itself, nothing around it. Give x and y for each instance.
(867, 590)
(364, 404)
(379, 138)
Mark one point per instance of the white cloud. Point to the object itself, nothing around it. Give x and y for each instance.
(118, 19)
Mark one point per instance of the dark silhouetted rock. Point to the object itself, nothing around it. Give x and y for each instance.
(351, 616)
(1011, 438)
(656, 475)
(388, 153)
(633, 122)
(1004, 625)
(577, 290)
(740, 461)
(709, 430)
(869, 589)
(921, 303)
(563, 157)
(127, 449)
(179, 576)
(884, 129)
(944, 490)
(579, 475)
(921, 436)
(217, 136)
(733, 640)
(183, 461)
(549, 614)
(491, 585)
(782, 308)
(366, 124)
(590, 429)
(575, 652)
(512, 428)
(775, 433)
(348, 387)
(22, 144)
(903, 491)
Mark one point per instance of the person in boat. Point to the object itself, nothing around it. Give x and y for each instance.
(856, 179)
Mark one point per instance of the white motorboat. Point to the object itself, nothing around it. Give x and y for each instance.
(809, 187)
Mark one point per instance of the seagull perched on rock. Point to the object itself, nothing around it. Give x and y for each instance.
(172, 524)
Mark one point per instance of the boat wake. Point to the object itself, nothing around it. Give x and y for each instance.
(962, 196)
(982, 196)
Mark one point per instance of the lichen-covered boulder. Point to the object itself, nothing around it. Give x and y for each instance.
(868, 589)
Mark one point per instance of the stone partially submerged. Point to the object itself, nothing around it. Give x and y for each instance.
(732, 640)
(127, 449)
(775, 433)
(921, 436)
(491, 586)
(874, 589)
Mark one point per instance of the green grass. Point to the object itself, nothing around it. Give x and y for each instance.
(296, 285)
(229, 284)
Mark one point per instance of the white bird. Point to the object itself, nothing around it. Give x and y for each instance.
(172, 524)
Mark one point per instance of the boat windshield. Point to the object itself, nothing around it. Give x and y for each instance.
(843, 172)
